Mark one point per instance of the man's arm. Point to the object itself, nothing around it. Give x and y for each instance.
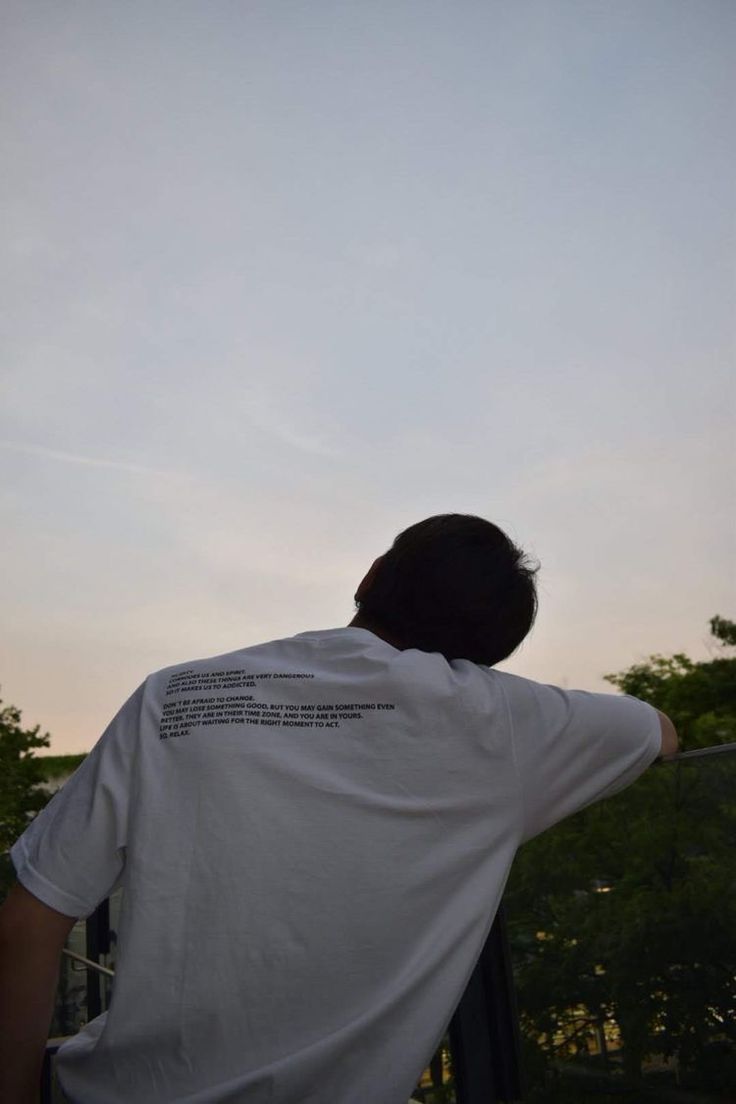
(32, 936)
(670, 742)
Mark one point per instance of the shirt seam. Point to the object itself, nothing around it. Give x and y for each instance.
(35, 876)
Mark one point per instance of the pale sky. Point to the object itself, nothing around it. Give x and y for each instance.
(282, 278)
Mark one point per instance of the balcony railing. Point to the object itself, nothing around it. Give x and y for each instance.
(504, 1043)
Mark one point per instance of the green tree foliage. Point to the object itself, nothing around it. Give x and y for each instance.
(700, 698)
(723, 630)
(58, 767)
(21, 777)
(623, 917)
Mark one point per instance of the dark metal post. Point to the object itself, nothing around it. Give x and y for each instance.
(98, 943)
(484, 1032)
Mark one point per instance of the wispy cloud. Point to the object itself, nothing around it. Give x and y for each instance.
(75, 458)
(263, 411)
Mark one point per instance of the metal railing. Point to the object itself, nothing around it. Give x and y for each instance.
(97, 966)
(699, 753)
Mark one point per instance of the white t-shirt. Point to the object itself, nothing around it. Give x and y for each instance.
(312, 836)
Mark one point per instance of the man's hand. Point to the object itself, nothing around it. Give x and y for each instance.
(32, 936)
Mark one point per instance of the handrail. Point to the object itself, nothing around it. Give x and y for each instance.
(89, 963)
(697, 753)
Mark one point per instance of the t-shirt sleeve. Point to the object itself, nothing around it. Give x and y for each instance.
(573, 747)
(73, 852)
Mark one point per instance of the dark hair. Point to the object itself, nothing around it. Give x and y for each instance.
(453, 584)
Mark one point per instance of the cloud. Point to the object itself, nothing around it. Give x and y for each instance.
(269, 415)
(75, 458)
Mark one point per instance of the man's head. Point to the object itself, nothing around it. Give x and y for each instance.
(453, 584)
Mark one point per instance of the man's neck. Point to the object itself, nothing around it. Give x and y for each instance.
(360, 622)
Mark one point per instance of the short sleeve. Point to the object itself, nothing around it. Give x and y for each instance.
(573, 747)
(73, 852)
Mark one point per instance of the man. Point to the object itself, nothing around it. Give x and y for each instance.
(312, 836)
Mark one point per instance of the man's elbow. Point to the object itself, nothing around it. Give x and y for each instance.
(670, 742)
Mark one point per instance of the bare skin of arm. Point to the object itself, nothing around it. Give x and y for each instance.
(670, 742)
(32, 936)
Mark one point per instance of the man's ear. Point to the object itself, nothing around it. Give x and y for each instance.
(366, 583)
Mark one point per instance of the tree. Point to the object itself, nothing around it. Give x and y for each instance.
(723, 630)
(21, 778)
(699, 697)
(622, 917)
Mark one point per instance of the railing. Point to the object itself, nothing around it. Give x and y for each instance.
(698, 753)
(480, 1061)
(88, 962)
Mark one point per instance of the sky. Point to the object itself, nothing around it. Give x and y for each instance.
(282, 278)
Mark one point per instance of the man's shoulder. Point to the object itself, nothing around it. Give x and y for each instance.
(221, 662)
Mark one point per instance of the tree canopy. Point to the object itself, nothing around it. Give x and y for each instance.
(21, 782)
(21, 774)
(623, 917)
